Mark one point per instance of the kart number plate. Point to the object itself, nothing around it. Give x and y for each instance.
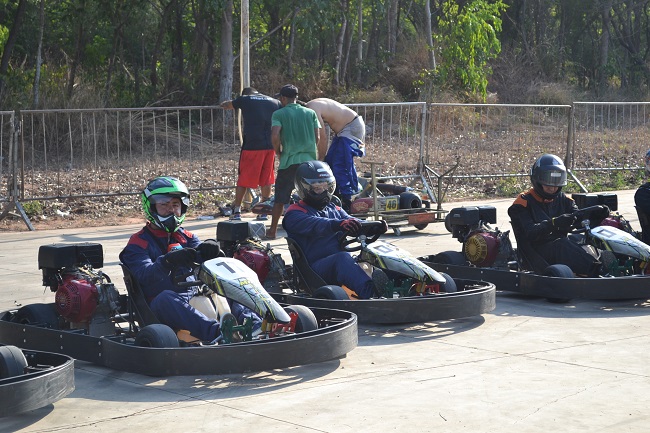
(392, 203)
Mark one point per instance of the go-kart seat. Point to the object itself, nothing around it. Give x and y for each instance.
(304, 276)
(137, 302)
(528, 258)
(644, 222)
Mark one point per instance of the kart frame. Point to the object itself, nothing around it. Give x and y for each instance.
(529, 283)
(335, 337)
(49, 378)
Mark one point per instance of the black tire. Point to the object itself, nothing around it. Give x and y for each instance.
(336, 293)
(448, 226)
(421, 226)
(408, 200)
(450, 284)
(306, 318)
(38, 314)
(559, 271)
(156, 335)
(450, 258)
(12, 362)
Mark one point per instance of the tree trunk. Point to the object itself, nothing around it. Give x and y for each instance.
(604, 47)
(9, 45)
(360, 43)
(429, 31)
(292, 38)
(164, 17)
(227, 59)
(339, 44)
(39, 59)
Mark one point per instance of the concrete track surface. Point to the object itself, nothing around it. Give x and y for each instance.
(528, 366)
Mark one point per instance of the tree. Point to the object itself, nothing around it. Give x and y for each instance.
(469, 37)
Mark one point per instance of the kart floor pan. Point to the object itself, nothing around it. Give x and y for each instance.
(472, 298)
(332, 341)
(632, 287)
(50, 377)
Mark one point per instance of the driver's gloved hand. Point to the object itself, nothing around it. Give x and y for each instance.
(209, 249)
(351, 226)
(601, 214)
(564, 221)
(384, 228)
(181, 257)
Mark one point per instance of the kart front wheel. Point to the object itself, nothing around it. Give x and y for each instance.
(12, 362)
(335, 293)
(558, 271)
(156, 335)
(306, 318)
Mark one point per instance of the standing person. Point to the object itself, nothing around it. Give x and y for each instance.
(163, 250)
(294, 132)
(257, 157)
(543, 216)
(642, 202)
(348, 142)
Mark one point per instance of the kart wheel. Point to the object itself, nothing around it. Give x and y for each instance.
(450, 284)
(12, 362)
(306, 318)
(559, 271)
(450, 258)
(448, 226)
(421, 226)
(336, 293)
(38, 314)
(156, 335)
(408, 200)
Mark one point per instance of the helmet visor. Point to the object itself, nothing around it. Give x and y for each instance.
(166, 198)
(552, 177)
(318, 186)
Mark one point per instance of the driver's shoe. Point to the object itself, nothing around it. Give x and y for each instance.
(380, 281)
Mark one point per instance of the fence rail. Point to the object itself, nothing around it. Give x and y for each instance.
(45, 153)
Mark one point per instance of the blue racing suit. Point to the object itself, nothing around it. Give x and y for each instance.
(318, 234)
(144, 256)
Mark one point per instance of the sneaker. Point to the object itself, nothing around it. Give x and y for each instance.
(380, 281)
(235, 217)
(262, 217)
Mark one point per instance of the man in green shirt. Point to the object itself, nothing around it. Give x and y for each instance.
(294, 134)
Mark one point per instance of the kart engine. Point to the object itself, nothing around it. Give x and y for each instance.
(483, 245)
(84, 297)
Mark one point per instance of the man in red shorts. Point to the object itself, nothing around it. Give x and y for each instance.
(257, 158)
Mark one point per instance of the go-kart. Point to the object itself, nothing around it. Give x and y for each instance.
(31, 379)
(487, 254)
(414, 293)
(91, 321)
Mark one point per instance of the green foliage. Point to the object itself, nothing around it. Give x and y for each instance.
(469, 38)
(33, 208)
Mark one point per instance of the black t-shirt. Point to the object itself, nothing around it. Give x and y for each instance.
(256, 111)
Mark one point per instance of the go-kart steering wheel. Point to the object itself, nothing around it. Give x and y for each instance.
(370, 232)
(593, 213)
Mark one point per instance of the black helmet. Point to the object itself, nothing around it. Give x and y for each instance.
(548, 170)
(161, 188)
(315, 183)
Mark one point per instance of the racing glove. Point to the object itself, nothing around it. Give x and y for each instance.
(351, 226)
(209, 249)
(181, 257)
(564, 221)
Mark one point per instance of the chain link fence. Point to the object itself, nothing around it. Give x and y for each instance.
(66, 154)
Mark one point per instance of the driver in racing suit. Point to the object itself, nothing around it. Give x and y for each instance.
(162, 250)
(543, 216)
(317, 225)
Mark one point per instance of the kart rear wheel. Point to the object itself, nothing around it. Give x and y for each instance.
(38, 314)
(558, 271)
(450, 258)
(12, 362)
(336, 293)
(421, 226)
(450, 284)
(408, 200)
(306, 318)
(156, 335)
